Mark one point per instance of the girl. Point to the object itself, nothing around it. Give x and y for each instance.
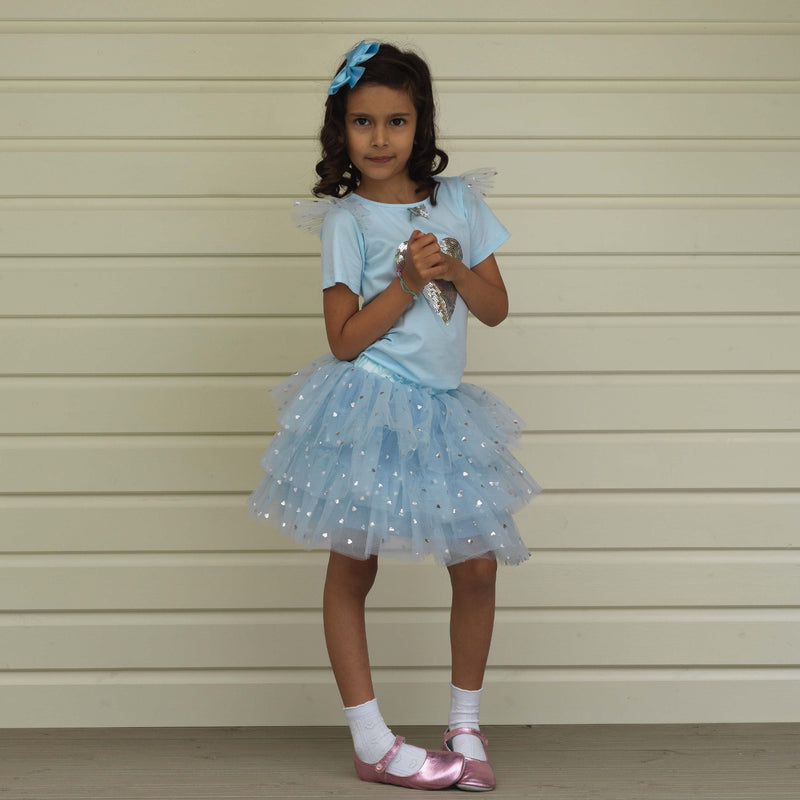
(382, 449)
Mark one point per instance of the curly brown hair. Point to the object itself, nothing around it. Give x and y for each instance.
(397, 69)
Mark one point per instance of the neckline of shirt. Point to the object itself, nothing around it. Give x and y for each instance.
(392, 205)
(425, 201)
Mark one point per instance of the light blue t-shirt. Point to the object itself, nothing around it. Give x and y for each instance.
(359, 242)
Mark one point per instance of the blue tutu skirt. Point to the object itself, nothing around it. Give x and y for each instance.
(367, 463)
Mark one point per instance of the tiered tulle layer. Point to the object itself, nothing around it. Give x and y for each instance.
(364, 464)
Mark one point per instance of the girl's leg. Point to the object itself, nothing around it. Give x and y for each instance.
(471, 619)
(346, 587)
(471, 624)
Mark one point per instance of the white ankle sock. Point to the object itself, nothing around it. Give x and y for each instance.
(372, 739)
(464, 710)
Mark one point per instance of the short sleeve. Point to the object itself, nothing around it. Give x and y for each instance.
(487, 233)
(343, 250)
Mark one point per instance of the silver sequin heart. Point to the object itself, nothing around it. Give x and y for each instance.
(440, 294)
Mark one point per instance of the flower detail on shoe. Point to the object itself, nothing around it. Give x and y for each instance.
(478, 775)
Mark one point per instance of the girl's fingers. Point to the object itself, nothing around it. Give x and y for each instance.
(423, 258)
(429, 253)
(418, 241)
(434, 272)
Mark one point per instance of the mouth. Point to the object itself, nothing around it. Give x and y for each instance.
(379, 159)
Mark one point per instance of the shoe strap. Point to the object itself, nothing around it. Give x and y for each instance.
(456, 731)
(384, 762)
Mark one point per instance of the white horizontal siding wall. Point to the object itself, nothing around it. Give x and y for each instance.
(152, 291)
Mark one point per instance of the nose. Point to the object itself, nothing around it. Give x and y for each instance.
(379, 137)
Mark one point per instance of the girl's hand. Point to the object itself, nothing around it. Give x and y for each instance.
(452, 269)
(424, 261)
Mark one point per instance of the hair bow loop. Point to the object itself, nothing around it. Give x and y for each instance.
(351, 72)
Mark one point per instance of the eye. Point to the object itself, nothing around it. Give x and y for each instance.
(360, 122)
(398, 121)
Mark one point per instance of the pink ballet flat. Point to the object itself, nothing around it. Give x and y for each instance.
(478, 775)
(440, 770)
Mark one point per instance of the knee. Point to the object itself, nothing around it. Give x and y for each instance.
(474, 575)
(351, 574)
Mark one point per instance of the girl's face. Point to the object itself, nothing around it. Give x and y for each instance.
(380, 124)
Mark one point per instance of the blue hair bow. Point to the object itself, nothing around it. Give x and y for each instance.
(351, 72)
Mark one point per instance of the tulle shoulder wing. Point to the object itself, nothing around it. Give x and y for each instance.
(480, 181)
(308, 214)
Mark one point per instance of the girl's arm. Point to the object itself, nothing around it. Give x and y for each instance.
(482, 289)
(351, 331)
